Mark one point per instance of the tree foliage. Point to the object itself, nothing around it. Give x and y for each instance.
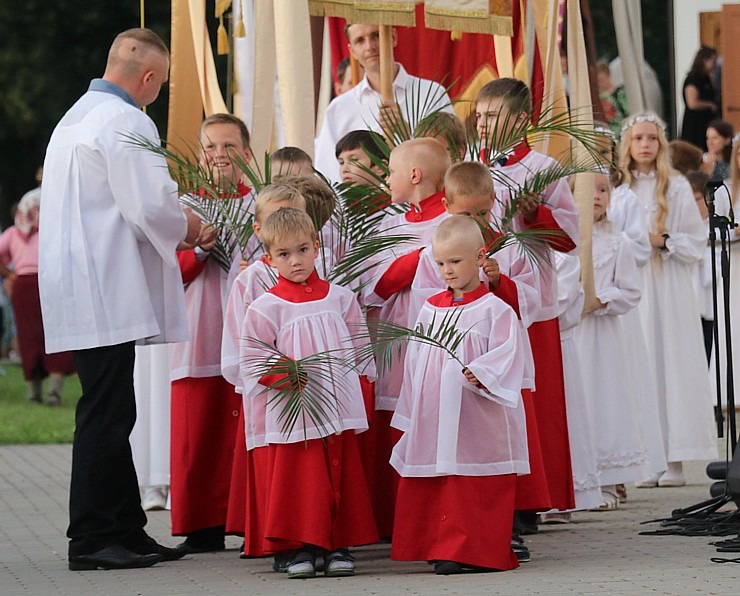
(49, 51)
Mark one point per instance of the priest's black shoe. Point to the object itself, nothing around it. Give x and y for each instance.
(112, 557)
(149, 546)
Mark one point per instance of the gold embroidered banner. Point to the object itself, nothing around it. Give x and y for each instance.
(470, 16)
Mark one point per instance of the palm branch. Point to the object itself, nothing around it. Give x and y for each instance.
(398, 125)
(512, 126)
(299, 391)
(389, 339)
(533, 243)
(536, 183)
(197, 185)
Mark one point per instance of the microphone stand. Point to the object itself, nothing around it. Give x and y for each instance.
(723, 224)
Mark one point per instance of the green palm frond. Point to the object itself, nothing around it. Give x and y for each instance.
(416, 105)
(389, 339)
(300, 391)
(196, 183)
(358, 258)
(511, 127)
(532, 243)
(536, 183)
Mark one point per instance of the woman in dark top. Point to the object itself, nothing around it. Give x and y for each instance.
(700, 98)
(716, 161)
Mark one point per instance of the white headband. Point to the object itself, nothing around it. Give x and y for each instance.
(643, 118)
(605, 131)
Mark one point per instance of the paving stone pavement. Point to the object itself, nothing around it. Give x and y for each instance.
(599, 553)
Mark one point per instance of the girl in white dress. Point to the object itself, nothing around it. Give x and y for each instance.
(668, 308)
(603, 353)
(627, 216)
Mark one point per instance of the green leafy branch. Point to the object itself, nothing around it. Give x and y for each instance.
(299, 389)
(389, 339)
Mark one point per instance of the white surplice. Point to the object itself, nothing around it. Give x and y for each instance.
(299, 330)
(450, 426)
(557, 198)
(110, 222)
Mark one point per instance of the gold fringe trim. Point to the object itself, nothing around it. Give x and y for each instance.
(340, 8)
(405, 18)
(491, 25)
(222, 46)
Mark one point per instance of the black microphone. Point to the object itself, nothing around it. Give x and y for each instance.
(710, 188)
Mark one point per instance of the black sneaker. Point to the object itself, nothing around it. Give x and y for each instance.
(208, 540)
(522, 552)
(447, 568)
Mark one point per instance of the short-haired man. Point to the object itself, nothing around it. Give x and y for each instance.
(109, 278)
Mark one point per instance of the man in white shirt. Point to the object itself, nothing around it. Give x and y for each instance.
(110, 223)
(360, 108)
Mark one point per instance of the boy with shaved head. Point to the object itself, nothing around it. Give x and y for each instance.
(464, 437)
(417, 170)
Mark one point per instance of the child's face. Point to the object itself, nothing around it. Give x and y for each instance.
(400, 178)
(350, 162)
(294, 257)
(478, 206)
(495, 123)
(701, 204)
(219, 143)
(459, 263)
(644, 144)
(601, 196)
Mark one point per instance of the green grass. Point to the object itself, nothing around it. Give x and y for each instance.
(22, 422)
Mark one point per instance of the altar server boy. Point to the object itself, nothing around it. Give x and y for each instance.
(317, 499)
(464, 427)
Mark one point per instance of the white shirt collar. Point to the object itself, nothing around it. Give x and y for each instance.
(399, 83)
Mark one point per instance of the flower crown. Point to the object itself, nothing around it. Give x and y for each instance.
(604, 130)
(648, 117)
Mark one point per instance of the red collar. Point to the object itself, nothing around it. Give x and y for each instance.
(428, 209)
(315, 288)
(242, 190)
(445, 299)
(521, 150)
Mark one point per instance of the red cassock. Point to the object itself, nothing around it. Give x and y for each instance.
(205, 415)
(313, 490)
